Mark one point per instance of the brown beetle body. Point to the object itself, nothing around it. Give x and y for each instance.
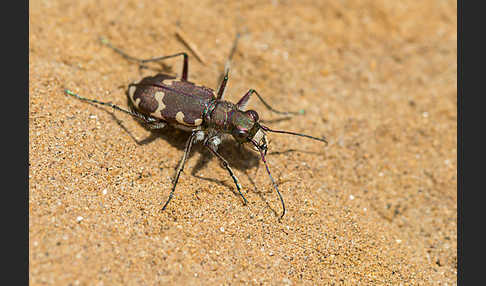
(173, 101)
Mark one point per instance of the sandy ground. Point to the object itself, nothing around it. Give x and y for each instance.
(377, 206)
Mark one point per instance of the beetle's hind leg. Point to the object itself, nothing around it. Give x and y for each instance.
(148, 121)
(135, 114)
(185, 65)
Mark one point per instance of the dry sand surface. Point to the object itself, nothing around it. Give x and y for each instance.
(377, 206)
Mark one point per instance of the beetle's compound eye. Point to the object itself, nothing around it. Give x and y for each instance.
(253, 114)
(240, 135)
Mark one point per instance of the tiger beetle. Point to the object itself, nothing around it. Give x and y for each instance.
(162, 99)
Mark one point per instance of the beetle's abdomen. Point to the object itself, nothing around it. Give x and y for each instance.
(174, 101)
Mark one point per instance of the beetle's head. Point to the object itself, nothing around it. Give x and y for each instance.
(246, 129)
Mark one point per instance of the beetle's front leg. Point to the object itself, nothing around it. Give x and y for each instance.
(212, 145)
(243, 102)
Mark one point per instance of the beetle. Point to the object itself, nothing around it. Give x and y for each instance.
(163, 99)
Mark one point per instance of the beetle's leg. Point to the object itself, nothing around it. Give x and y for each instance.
(151, 123)
(185, 66)
(212, 148)
(222, 86)
(180, 168)
(156, 125)
(224, 76)
(137, 115)
(148, 121)
(243, 102)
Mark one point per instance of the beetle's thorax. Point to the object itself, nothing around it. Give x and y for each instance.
(226, 117)
(220, 114)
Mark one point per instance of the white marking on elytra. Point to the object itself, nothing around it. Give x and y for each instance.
(159, 95)
(137, 102)
(180, 117)
(169, 81)
(131, 93)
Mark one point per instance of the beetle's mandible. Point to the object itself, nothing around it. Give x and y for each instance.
(162, 99)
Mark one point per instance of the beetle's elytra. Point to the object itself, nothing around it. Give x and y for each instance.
(173, 101)
(162, 99)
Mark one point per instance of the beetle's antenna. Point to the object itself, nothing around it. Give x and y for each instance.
(293, 133)
(273, 181)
